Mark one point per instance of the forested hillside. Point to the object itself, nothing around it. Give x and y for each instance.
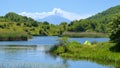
(95, 23)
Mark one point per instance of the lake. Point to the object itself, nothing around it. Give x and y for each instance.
(32, 54)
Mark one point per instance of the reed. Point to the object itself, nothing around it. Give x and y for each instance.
(13, 36)
(85, 34)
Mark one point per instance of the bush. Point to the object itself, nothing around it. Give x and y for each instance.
(62, 41)
(71, 46)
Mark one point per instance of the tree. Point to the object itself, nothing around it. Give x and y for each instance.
(62, 41)
(64, 25)
(115, 33)
(46, 23)
(115, 29)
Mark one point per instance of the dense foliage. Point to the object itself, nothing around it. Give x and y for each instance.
(115, 29)
(115, 33)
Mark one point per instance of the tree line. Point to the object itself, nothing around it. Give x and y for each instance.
(96, 23)
(14, 22)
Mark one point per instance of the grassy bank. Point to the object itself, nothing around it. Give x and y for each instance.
(99, 51)
(13, 36)
(84, 34)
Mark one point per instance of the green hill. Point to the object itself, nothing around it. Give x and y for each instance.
(95, 23)
(14, 22)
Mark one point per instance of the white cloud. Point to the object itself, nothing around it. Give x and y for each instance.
(55, 11)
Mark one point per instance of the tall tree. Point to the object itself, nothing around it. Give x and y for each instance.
(115, 29)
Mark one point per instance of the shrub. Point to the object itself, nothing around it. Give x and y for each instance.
(62, 41)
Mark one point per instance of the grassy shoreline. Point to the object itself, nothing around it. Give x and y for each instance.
(14, 36)
(95, 52)
(23, 36)
(84, 34)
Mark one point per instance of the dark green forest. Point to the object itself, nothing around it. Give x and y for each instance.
(14, 23)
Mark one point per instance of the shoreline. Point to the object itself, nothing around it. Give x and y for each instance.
(99, 51)
(85, 34)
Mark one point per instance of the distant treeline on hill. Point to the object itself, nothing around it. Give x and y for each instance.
(97, 23)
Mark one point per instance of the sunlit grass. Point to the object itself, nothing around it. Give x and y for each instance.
(9, 35)
(99, 51)
(85, 34)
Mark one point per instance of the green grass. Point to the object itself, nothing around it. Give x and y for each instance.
(84, 34)
(99, 52)
(13, 36)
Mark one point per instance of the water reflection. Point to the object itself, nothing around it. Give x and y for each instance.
(35, 56)
(30, 65)
(32, 56)
(49, 40)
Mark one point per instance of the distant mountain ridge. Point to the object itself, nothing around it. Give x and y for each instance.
(56, 16)
(54, 19)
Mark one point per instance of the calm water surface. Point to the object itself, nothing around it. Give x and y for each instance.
(31, 54)
(49, 40)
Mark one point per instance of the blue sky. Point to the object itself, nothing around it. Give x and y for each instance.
(80, 7)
